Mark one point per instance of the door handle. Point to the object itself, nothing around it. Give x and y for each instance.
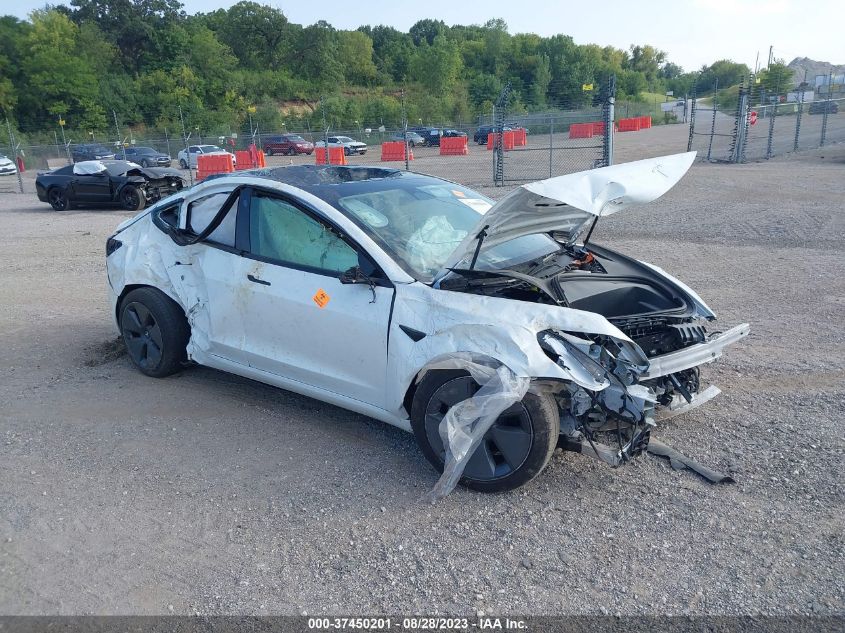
(256, 280)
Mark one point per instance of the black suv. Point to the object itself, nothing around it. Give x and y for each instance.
(91, 151)
(146, 157)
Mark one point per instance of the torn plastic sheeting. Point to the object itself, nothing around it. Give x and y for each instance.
(679, 461)
(466, 423)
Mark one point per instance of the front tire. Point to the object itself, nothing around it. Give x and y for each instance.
(513, 451)
(182, 163)
(155, 331)
(58, 199)
(132, 199)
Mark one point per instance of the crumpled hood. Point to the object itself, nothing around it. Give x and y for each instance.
(566, 204)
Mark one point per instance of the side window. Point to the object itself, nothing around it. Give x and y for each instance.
(281, 232)
(202, 211)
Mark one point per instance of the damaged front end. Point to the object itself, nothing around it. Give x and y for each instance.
(619, 393)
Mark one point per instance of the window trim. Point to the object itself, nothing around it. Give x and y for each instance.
(243, 230)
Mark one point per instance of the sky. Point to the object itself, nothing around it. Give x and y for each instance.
(692, 32)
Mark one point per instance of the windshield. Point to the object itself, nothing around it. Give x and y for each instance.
(205, 149)
(296, 138)
(344, 139)
(420, 225)
(141, 150)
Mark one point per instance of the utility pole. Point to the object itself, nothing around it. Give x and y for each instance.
(325, 128)
(771, 49)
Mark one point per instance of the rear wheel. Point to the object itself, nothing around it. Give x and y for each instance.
(155, 331)
(132, 199)
(182, 163)
(58, 199)
(512, 452)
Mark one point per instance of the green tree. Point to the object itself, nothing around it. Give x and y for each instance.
(356, 54)
(777, 78)
(56, 74)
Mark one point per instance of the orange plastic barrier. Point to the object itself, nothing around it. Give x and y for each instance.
(581, 130)
(598, 128)
(507, 141)
(208, 164)
(630, 125)
(645, 122)
(454, 146)
(395, 150)
(520, 137)
(249, 158)
(336, 156)
(242, 160)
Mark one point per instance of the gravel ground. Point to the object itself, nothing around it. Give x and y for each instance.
(207, 493)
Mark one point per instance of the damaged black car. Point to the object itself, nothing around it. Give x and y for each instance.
(112, 183)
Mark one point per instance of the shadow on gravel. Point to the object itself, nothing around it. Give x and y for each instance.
(105, 353)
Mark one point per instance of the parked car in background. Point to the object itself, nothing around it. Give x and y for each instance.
(288, 145)
(414, 139)
(189, 158)
(424, 291)
(91, 151)
(146, 156)
(820, 107)
(350, 145)
(107, 183)
(7, 166)
(483, 131)
(430, 135)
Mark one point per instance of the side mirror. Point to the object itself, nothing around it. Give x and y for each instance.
(354, 275)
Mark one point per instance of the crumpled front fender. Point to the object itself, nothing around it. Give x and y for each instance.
(502, 330)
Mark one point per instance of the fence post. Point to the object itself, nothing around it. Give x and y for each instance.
(167, 141)
(498, 139)
(771, 129)
(325, 129)
(14, 147)
(740, 127)
(405, 132)
(798, 119)
(117, 129)
(693, 108)
(713, 124)
(64, 140)
(187, 153)
(826, 108)
(551, 142)
(608, 110)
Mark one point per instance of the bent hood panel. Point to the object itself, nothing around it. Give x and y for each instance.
(567, 203)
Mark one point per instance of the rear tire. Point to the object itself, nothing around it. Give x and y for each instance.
(182, 163)
(513, 451)
(155, 332)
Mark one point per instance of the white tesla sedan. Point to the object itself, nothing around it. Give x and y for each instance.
(494, 332)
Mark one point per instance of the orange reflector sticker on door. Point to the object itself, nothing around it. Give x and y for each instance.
(321, 298)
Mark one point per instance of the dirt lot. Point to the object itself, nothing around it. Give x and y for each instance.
(206, 493)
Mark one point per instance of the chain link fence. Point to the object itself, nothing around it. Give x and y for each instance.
(757, 125)
(549, 141)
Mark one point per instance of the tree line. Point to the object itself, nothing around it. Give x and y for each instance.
(146, 59)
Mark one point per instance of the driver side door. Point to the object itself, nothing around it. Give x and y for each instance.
(94, 188)
(299, 320)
